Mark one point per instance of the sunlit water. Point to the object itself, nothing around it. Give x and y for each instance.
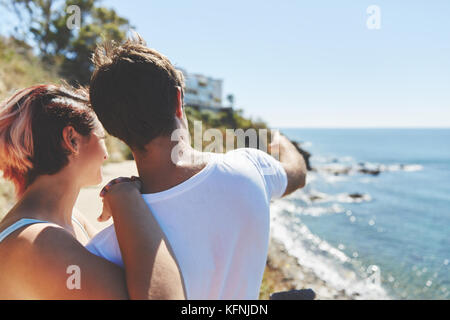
(394, 240)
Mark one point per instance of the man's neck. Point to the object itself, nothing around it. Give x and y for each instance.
(161, 169)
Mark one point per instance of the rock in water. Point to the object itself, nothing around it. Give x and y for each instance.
(373, 172)
(303, 294)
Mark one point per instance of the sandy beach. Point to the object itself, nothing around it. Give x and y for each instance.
(89, 201)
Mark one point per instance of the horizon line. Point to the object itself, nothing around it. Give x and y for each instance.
(368, 128)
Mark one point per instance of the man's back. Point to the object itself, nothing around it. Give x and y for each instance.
(217, 223)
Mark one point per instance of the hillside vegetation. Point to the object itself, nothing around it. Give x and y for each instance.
(18, 68)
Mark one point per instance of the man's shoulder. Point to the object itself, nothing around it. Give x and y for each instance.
(238, 158)
(244, 153)
(250, 156)
(245, 162)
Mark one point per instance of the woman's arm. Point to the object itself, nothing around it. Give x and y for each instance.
(151, 268)
(47, 262)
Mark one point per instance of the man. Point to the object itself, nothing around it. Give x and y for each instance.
(213, 209)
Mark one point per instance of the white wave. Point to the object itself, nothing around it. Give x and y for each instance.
(400, 167)
(413, 167)
(330, 178)
(320, 159)
(323, 259)
(311, 176)
(284, 205)
(301, 232)
(299, 195)
(335, 167)
(341, 168)
(306, 144)
(307, 210)
(320, 211)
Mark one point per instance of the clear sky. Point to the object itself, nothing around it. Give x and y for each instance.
(311, 63)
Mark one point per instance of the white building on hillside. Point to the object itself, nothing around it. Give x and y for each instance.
(202, 91)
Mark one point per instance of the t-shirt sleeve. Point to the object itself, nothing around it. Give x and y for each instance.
(106, 245)
(273, 173)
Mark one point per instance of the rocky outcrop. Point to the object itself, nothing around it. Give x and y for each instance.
(306, 155)
(337, 169)
(302, 294)
(373, 172)
(289, 280)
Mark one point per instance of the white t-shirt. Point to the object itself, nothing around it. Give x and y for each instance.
(217, 223)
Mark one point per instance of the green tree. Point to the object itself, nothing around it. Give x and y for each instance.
(43, 24)
(105, 24)
(230, 99)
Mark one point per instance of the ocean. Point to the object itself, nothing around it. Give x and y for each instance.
(374, 217)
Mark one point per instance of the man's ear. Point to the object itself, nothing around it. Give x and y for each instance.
(71, 139)
(179, 107)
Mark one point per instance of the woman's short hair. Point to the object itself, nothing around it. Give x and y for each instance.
(31, 126)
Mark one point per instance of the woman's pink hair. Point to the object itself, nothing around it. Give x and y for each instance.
(16, 136)
(20, 160)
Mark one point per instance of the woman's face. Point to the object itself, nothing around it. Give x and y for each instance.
(94, 154)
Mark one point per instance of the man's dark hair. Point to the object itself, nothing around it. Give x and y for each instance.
(133, 91)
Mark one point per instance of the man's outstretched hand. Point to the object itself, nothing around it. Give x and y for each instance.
(293, 162)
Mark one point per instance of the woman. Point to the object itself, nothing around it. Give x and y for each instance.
(52, 145)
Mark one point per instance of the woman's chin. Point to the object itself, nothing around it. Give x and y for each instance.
(100, 178)
(95, 182)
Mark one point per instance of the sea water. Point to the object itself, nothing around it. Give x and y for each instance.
(377, 236)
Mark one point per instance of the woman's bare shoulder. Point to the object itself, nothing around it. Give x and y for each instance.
(40, 258)
(23, 252)
(30, 238)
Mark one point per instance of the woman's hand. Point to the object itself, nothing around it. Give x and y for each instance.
(115, 191)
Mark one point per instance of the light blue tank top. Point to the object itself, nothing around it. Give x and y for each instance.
(25, 222)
